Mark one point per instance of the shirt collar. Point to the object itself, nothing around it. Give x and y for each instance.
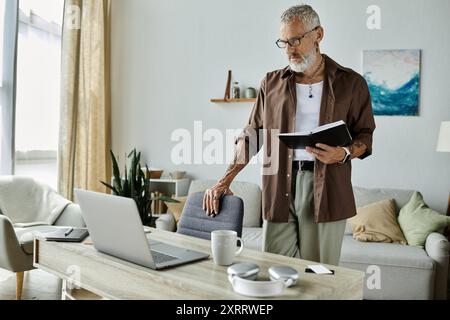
(331, 67)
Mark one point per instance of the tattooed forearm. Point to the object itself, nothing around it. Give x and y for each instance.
(239, 162)
(231, 173)
(357, 149)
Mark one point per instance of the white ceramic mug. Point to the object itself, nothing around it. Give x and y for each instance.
(223, 246)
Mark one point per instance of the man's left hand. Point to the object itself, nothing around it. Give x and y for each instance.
(327, 154)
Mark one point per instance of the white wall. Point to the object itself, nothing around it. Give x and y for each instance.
(170, 57)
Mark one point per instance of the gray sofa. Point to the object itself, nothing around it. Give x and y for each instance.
(405, 272)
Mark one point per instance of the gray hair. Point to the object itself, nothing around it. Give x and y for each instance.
(304, 12)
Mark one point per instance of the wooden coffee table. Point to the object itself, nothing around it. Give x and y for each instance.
(113, 278)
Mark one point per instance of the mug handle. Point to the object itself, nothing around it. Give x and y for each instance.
(239, 251)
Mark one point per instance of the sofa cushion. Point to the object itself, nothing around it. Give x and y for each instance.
(365, 196)
(348, 228)
(377, 222)
(252, 238)
(388, 254)
(250, 193)
(405, 272)
(25, 236)
(176, 208)
(418, 221)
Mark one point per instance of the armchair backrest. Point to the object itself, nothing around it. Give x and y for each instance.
(250, 194)
(194, 221)
(27, 201)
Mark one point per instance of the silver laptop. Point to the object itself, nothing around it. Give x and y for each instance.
(116, 229)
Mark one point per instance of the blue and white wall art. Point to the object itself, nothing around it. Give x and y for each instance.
(393, 77)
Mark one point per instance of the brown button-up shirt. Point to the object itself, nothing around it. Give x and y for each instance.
(345, 97)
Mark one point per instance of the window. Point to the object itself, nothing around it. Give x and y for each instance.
(6, 105)
(2, 32)
(38, 89)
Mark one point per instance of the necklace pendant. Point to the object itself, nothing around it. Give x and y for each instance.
(310, 92)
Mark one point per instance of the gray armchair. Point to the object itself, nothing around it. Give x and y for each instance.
(194, 221)
(16, 243)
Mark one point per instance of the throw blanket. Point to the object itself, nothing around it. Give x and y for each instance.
(28, 202)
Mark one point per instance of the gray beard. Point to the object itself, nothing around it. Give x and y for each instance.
(305, 65)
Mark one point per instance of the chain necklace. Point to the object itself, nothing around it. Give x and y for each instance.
(312, 77)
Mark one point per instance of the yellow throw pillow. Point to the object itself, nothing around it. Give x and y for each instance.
(377, 222)
(176, 208)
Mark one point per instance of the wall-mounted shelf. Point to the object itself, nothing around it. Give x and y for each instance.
(233, 100)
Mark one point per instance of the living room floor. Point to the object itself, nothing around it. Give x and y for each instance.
(37, 285)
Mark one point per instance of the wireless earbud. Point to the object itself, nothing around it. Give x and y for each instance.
(242, 277)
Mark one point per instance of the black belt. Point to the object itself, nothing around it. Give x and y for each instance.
(303, 165)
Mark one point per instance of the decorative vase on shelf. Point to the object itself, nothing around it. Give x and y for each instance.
(250, 93)
(235, 91)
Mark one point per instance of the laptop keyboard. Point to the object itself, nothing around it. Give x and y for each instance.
(159, 257)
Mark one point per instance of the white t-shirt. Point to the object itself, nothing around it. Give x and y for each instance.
(307, 117)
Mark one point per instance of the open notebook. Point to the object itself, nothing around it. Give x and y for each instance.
(333, 134)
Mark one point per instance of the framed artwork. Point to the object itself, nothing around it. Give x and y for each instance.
(393, 77)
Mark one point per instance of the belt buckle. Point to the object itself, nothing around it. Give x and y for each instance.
(302, 165)
(306, 165)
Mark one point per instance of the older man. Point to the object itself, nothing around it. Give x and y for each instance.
(306, 203)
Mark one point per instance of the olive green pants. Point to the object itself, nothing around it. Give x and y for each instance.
(301, 237)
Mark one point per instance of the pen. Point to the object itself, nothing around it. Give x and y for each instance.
(68, 232)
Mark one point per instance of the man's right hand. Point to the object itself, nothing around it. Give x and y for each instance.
(212, 196)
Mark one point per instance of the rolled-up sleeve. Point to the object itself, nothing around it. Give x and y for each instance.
(248, 143)
(362, 124)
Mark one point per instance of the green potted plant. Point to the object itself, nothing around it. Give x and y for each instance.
(134, 185)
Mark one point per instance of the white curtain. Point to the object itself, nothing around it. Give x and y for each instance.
(38, 71)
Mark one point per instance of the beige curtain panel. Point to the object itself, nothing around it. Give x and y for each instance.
(85, 133)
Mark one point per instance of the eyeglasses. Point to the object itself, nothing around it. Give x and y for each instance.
(293, 42)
